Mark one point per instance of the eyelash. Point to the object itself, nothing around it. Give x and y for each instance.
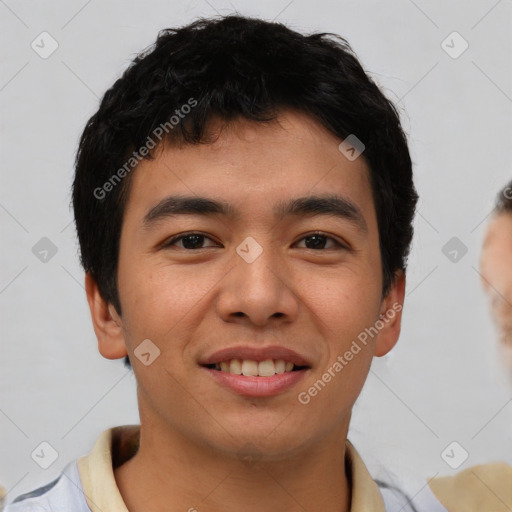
(169, 243)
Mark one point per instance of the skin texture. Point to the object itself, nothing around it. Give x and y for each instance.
(496, 271)
(192, 302)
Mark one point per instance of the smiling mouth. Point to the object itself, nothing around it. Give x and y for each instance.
(251, 368)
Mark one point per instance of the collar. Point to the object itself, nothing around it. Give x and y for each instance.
(118, 444)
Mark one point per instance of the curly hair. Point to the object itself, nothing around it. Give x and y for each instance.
(231, 67)
(503, 202)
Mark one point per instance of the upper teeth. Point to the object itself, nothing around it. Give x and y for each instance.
(249, 367)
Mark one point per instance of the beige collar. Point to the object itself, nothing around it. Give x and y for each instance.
(117, 445)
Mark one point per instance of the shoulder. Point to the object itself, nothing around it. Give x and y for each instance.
(482, 487)
(60, 495)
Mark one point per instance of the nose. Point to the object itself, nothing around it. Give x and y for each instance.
(259, 292)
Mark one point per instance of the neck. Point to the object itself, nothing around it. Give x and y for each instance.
(171, 473)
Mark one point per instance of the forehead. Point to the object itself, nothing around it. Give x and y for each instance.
(498, 238)
(496, 257)
(253, 166)
(497, 247)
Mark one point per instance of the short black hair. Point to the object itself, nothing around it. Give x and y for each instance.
(234, 67)
(503, 202)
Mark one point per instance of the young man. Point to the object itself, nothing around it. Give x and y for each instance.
(489, 486)
(244, 202)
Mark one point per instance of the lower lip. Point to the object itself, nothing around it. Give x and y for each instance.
(257, 386)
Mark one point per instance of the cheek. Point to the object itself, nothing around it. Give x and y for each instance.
(343, 302)
(347, 290)
(502, 313)
(158, 300)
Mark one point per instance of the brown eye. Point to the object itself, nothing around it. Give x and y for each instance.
(189, 241)
(318, 241)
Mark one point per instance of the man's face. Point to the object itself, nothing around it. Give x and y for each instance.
(496, 270)
(250, 280)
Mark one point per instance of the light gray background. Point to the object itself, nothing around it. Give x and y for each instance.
(442, 382)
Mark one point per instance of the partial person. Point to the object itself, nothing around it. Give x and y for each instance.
(489, 486)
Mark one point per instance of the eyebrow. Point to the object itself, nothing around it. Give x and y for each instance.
(333, 205)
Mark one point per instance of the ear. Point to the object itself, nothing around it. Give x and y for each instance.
(106, 322)
(391, 316)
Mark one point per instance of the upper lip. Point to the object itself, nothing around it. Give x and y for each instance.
(256, 354)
